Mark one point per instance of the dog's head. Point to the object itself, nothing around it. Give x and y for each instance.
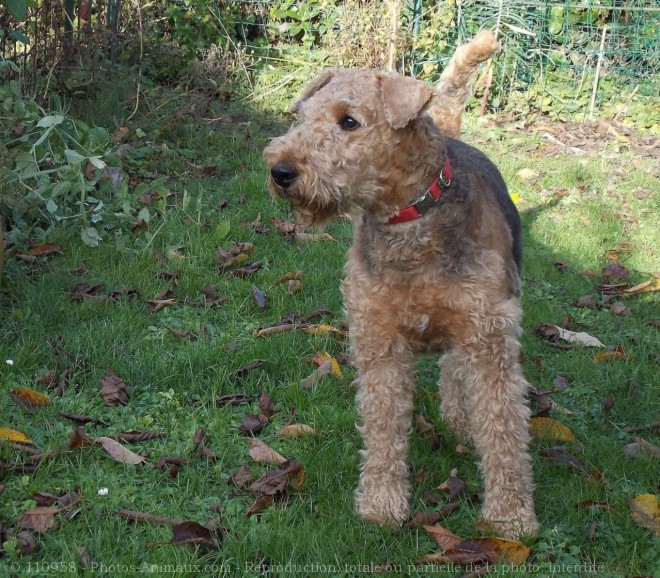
(353, 143)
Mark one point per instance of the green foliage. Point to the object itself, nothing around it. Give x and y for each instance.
(17, 8)
(56, 172)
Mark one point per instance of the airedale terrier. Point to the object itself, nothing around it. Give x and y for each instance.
(434, 267)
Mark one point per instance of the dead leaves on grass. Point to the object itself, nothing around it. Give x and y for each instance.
(474, 551)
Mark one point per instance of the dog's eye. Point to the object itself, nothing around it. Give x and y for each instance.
(348, 123)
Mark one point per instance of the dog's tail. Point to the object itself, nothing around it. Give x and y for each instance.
(455, 83)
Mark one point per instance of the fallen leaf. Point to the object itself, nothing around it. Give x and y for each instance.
(614, 270)
(559, 455)
(28, 399)
(311, 379)
(640, 448)
(78, 439)
(266, 405)
(252, 423)
(181, 334)
(321, 329)
(547, 428)
(259, 297)
(454, 485)
(420, 519)
(579, 337)
(191, 533)
(200, 446)
(296, 430)
(275, 481)
(118, 452)
(294, 287)
(137, 436)
(242, 371)
(260, 504)
(114, 390)
(26, 543)
(619, 308)
(120, 134)
(171, 465)
(587, 504)
(443, 537)
(246, 270)
(613, 353)
(321, 357)
(13, 436)
(241, 477)
(262, 453)
(588, 301)
(291, 276)
(39, 519)
(155, 305)
(232, 399)
(645, 512)
(422, 425)
(44, 249)
(645, 287)
(78, 418)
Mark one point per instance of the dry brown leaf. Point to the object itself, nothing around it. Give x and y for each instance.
(614, 270)
(422, 425)
(640, 447)
(547, 428)
(291, 276)
(79, 439)
(118, 452)
(260, 504)
(253, 423)
(294, 287)
(454, 485)
(114, 390)
(259, 297)
(155, 305)
(241, 477)
(260, 452)
(276, 481)
(296, 430)
(39, 519)
(189, 532)
(652, 285)
(44, 249)
(443, 537)
(313, 377)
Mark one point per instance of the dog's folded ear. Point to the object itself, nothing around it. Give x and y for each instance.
(316, 84)
(403, 98)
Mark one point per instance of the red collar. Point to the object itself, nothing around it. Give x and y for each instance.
(428, 199)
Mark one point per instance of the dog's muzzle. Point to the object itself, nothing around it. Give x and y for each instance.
(284, 174)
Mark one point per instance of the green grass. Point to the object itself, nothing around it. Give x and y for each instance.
(574, 212)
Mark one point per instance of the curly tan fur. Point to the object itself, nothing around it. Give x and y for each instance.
(446, 282)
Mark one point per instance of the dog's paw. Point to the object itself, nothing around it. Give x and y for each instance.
(386, 506)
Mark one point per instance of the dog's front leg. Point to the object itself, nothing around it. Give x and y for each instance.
(499, 421)
(384, 402)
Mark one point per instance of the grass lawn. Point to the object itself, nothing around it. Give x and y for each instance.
(579, 214)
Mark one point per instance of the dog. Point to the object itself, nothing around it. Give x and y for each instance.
(434, 267)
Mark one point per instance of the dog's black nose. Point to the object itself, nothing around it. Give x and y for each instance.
(284, 174)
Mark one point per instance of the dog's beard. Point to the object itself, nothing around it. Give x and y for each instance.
(315, 210)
